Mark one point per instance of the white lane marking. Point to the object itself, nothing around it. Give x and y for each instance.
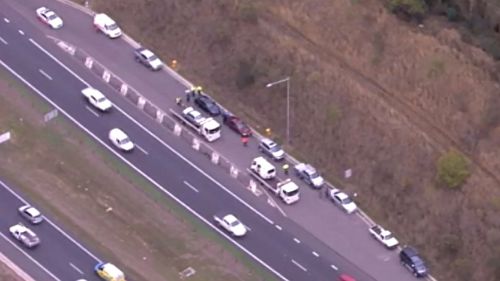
(296, 240)
(76, 268)
(334, 267)
(315, 254)
(299, 265)
(191, 186)
(29, 257)
(200, 217)
(365, 219)
(26, 202)
(247, 227)
(21, 32)
(92, 111)
(141, 149)
(45, 74)
(278, 227)
(6, 20)
(156, 138)
(3, 41)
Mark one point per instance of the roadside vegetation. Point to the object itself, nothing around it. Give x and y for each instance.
(8, 274)
(104, 203)
(370, 92)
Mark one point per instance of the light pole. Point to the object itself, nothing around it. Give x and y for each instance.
(287, 80)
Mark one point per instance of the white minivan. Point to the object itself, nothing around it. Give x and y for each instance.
(263, 168)
(107, 25)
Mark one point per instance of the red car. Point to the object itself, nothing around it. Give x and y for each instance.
(345, 277)
(237, 125)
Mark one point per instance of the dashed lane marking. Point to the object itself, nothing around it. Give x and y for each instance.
(299, 265)
(191, 186)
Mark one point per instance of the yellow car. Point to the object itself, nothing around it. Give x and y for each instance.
(109, 272)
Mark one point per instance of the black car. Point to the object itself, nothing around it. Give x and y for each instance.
(207, 104)
(410, 258)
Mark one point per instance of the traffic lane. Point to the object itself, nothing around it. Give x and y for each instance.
(22, 261)
(375, 259)
(116, 53)
(71, 86)
(56, 253)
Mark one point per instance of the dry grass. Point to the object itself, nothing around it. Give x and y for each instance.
(7, 274)
(368, 93)
(76, 180)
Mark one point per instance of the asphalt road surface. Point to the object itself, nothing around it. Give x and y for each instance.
(57, 257)
(340, 239)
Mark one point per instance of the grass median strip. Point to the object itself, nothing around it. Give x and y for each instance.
(103, 202)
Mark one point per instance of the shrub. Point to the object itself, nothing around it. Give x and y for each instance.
(452, 169)
(246, 74)
(410, 8)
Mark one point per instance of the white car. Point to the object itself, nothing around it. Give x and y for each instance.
(24, 235)
(231, 224)
(97, 99)
(194, 117)
(272, 149)
(384, 236)
(342, 200)
(31, 214)
(49, 17)
(120, 140)
(148, 58)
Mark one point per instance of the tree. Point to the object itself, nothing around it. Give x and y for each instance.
(410, 8)
(452, 169)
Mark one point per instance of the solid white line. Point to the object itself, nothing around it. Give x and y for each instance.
(76, 268)
(334, 267)
(29, 257)
(21, 32)
(296, 240)
(158, 139)
(214, 227)
(3, 41)
(141, 149)
(191, 186)
(299, 265)
(45, 74)
(26, 202)
(278, 227)
(315, 254)
(6, 20)
(92, 111)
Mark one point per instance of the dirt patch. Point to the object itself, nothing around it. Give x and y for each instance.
(8, 274)
(105, 203)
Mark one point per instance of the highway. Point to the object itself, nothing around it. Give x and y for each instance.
(58, 257)
(275, 248)
(343, 241)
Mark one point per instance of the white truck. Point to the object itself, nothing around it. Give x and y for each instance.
(206, 127)
(309, 175)
(384, 236)
(24, 235)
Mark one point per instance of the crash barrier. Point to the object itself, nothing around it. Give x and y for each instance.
(171, 120)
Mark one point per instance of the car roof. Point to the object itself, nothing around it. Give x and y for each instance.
(341, 195)
(119, 133)
(309, 169)
(146, 52)
(194, 113)
(94, 92)
(409, 251)
(33, 211)
(230, 218)
(49, 13)
(268, 142)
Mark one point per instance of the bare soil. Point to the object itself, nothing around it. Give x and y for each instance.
(368, 92)
(103, 202)
(8, 274)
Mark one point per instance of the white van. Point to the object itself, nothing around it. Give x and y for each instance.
(263, 168)
(106, 25)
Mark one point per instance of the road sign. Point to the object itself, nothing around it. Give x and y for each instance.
(106, 76)
(4, 137)
(348, 173)
(50, 115)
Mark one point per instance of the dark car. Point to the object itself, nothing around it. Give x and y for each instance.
(410, 258)
(207, 104)
(237, 125)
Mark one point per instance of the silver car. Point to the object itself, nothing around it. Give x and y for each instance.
(272, 149)
(31, 214)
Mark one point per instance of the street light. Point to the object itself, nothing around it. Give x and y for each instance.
(287, 80)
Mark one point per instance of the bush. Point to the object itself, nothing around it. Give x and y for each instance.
(410, 8)
(453, 169)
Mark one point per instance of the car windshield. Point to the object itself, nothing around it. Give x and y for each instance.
(388, 236)
(152, 58)
(274, 148)
(346, 201)
(101, 99)
(314, 175)
(112, 26)
(291, 193)
(52, 16)
(124, 141)
(234, 223)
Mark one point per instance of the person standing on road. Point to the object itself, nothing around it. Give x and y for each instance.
(178, 101)
(285, 168)
(244, 140)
